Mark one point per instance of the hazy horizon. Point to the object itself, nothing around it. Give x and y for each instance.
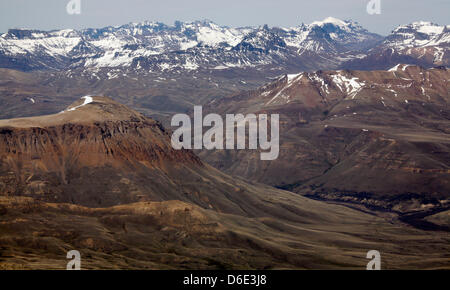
(52, 14)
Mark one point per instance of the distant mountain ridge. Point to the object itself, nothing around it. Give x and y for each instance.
(421, 43)
(186, 46)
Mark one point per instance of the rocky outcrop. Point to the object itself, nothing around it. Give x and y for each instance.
(380, 138)
(49, 157)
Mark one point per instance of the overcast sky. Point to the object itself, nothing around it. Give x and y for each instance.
(51, 14)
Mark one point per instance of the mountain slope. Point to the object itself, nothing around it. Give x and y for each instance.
(379, 138)
(203, 45)
(103, 179)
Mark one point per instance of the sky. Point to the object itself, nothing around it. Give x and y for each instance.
(52, 14)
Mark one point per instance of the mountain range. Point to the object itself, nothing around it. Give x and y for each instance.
(204, 45)
(161, 70)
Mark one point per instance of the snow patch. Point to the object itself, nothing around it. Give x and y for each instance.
(330, 20)
(290, 80)
(395, 68)
(87, 100)
(404, 67)
(291, 77)
(352, 86)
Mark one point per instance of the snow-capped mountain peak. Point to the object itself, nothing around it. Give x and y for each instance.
(425, 27)
(333, 34)
(418, 34)
(330, 20)
(421, 43)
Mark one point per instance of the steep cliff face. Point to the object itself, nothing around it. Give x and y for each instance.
(90, 146)
(112, 143)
